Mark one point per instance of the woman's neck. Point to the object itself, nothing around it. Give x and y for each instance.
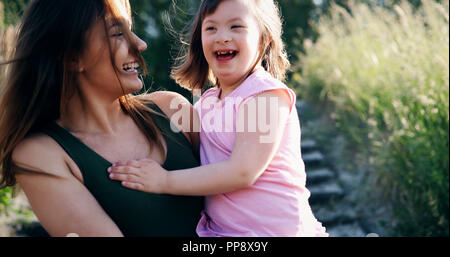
(93, 115)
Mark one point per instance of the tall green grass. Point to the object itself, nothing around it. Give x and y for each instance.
(386, 74)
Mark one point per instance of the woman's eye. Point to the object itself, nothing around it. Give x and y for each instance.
(118, 34)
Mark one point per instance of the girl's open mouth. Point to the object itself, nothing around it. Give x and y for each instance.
(225, 55)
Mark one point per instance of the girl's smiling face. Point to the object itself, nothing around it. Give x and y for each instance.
(95, 63)
(231, 41)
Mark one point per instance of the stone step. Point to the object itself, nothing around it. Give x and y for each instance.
(306, 133)
(346, 230)
(334, 215)
(308, 145)
(313, 159)
(316, 176)
(33, 229)
(299, 105)
(305, 112)
(325, 192)
(303, 108)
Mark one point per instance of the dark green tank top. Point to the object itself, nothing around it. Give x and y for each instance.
(137, 213)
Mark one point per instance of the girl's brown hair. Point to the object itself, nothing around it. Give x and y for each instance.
(40, 77)
(191, 69)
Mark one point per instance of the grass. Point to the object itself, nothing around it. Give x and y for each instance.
(385, 71)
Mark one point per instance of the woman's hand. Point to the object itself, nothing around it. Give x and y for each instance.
(143, 175)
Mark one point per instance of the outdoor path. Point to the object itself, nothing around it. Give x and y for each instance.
(331, 197)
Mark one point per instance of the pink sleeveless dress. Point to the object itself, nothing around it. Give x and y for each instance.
(277, 203)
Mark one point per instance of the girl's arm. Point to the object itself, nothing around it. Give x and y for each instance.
(61, 202)
(252, 153)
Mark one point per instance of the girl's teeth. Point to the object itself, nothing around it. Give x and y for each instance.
(223, 53)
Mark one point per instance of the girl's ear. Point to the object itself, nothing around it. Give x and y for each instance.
(264, 43)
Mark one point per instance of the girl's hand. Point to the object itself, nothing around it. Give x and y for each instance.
(143, 175)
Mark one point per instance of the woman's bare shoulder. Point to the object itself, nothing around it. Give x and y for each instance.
(170, 102)
(177, 108)
(167, 100)
(40, 153)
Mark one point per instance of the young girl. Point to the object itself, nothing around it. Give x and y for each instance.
(254, 179)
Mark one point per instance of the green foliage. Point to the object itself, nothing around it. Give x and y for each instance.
(149, 24)
(297, 16)
(386, 73)
(5, 197)
(13, 10)
(10, 12)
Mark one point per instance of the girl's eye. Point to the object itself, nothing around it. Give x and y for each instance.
(236, 26)
(118, 34)
(210, 28)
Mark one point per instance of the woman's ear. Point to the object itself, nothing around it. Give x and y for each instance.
(76, 66)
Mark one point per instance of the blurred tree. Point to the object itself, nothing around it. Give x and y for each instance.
(297, 15)
(150, 25)
(13, 10)
(2, 15)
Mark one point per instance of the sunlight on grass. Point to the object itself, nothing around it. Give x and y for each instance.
(386, 73)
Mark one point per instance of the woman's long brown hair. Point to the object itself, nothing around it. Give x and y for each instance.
(40, 80)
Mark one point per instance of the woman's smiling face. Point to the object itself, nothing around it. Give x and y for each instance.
(231, 41)
(98, 68)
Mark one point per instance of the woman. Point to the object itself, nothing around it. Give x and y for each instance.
(67, 113)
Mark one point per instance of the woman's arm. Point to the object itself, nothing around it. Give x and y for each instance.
(252, 153)
(180, 112)
(61, 202)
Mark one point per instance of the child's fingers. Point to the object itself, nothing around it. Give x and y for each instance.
(124, 177)
(124, 169)
(133, 163)
(131, 185)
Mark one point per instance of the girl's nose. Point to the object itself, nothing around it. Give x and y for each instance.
(223, 37)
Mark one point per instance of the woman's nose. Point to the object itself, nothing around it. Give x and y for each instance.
(141, 45)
